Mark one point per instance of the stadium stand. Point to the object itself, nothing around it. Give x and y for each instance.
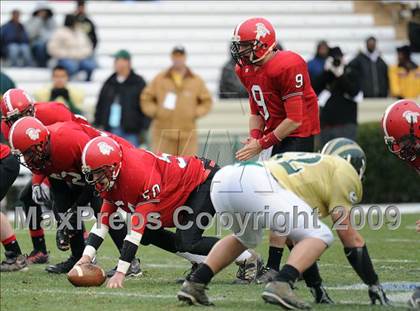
(150, 29)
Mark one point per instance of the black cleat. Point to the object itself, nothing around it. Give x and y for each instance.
(62, 267)
(377, 294)
(13, 263)
(133, 271)
(194, 293)
(320, 294)
(194, 267)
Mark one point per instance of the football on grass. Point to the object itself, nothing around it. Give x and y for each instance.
(86, 275)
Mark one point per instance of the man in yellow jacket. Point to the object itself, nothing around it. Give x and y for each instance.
(174, 100)
(404, 78)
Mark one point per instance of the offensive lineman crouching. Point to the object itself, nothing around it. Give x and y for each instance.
(146, 185)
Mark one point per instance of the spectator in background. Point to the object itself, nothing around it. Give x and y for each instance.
(72, 48)
(316, 64)
(175, 99)
(15, 42)
(404, 78)
(118, 108)
(60, 91)
(373, 70)
(229, 85)
(414, 30)
(6, 83)
(40, 28)
(339, 92)
(86, 24)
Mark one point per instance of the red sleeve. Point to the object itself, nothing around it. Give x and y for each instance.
(106, 211)
(292, 83)
(294, 108)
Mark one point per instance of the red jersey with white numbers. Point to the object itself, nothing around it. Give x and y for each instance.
(281, 89)
(150, 183)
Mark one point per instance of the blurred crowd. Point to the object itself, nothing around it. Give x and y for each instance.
(41, 41)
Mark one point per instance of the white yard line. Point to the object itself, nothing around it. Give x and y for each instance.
(400, 297)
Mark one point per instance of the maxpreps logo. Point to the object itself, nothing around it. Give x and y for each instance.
(33, 133)
(104, 148)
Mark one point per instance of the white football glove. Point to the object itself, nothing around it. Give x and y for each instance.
(40, 193)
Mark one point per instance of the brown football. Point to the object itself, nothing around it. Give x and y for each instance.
(86, 275)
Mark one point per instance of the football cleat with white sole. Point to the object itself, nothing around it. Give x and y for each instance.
(377, 294)
(13, 263)
(281, 293)
(194, 293)
(320, 294)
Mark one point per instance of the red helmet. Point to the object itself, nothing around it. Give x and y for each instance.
(101, 162)
(16, 103)
(252, 40)
(30, 138)
(401, 124)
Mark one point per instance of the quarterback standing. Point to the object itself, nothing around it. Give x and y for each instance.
(284, 113)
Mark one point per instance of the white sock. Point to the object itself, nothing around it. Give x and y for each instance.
(191, 257)
(244, 256)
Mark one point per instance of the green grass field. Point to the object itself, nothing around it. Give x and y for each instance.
(396, 256)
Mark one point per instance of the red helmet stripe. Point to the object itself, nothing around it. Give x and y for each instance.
(85, 151)
(7, 101)
(386, 114)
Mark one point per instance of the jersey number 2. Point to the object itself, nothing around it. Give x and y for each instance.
(258, 96)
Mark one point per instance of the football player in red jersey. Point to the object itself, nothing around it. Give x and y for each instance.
(15, 104)
(401, 125)
(158, 191)
(284, 107)
(55, 151)
(284, 113)
(9, 171)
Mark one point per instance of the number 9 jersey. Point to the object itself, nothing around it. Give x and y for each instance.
(281, 89)
(324, 182)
